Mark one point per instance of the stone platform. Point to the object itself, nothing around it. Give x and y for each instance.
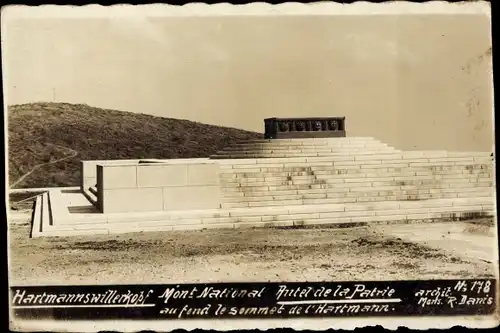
(273, 183)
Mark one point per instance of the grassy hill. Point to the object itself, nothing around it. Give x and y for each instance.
(51, 139)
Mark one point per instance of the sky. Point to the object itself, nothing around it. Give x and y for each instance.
(413, 81)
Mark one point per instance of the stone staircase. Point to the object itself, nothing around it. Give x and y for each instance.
(300, 182)
(286, 148)
(46, 222)
(353, 170)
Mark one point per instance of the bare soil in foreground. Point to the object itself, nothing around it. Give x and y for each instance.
(375, 252)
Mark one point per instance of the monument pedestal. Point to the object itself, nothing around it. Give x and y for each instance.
(302, 128)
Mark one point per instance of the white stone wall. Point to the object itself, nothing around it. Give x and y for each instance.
(167, 186)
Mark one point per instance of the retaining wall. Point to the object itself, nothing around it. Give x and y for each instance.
(190, 184)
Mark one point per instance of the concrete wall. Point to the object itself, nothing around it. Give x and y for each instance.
(414, 81)
(173, 185)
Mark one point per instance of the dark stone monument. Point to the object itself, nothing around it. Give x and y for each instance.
(301, 128)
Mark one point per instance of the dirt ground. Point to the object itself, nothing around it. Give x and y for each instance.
(378, 252)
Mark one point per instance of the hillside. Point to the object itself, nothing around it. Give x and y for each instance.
(50, 139)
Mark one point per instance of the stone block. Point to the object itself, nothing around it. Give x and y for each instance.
(341, 200)
(451, 159)
(37, 223)
(161, 175)
(268, 198)
(260, 165)
(88, 168)
(311, 164)
(330, 220)
(385, 165)
(118, 177)
(419, 216)
(483, 159)
(248, 219)
(115, 229)
(274, 203)
(406, 211)
(188, 227)
(243, 163)
(297, 216)
(385, 185)
(368, 187)
(372, 206)
(226, 167)
(456, 209)
(191, 197)
(203, 174)
(248, 169)
(368, 162)
(258, 212)
(230, 162)
(58, 205)
(89, 182)
(155, 216)
(216, 226)
(314, 196)
(377, 157)
(346, 214)
(379, 218)
(267, 193)
(356, 180)
(246, 225)
(197, 214)
(423, 154)
(132, 200)
(330, 158)
(317, 208)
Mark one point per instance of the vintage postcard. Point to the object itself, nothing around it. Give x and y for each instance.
(305, 166)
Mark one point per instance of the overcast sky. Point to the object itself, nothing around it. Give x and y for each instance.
(415, 82)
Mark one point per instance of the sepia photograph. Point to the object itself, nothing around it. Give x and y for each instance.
(264, 146)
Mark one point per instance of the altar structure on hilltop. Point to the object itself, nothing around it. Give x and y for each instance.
(305, 171)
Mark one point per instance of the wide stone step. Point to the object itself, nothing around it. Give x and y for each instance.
(299, 152)
(335, 192)
(351, 177)
(358, 182)
(302, 153)
(36, 227)
(345, 165)
(306, 147)
(387, 159)
(398, 192)
(42, 215)
(356, 173)
(91, 195)
(243, 148)
(465, 208)
(46, 210)
(318, 188)
(349, 199)
(348, 165)
(228, 155)
(299, 141)
(93, 190)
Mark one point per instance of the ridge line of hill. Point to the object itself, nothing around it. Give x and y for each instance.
(40, 134)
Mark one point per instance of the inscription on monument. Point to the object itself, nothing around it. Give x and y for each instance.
(289, 128)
